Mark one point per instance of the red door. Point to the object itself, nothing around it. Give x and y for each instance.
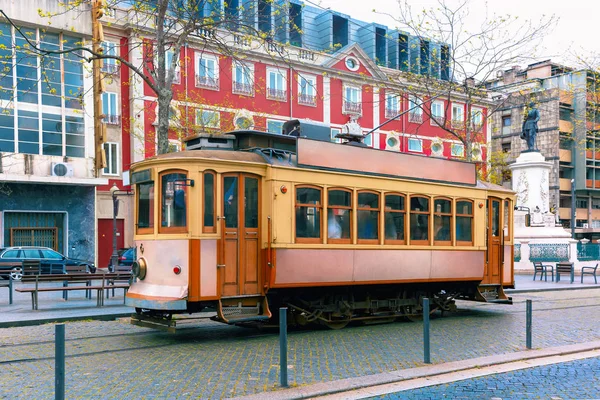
(105, 240)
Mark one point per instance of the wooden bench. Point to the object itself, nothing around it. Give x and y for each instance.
(565, 267)
(7, 282)
(543, 270)
(589, 271)
(65, 279)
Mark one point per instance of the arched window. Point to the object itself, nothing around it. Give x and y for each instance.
(395, 219)
(419, 220)
(309, 206)
(173, 202)
(367, 214)
(464, 222)
(442, 222)
(209, 193)
(339, 216)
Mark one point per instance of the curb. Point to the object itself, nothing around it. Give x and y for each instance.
(550, 289)
(349, 384)
(50, 320)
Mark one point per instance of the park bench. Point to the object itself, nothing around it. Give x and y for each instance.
(124, 277)
(589, 271)
(565, 267)
(65, 279)
(7, 282)
(543, 270)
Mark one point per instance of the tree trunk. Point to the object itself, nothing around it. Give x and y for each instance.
(162, 129)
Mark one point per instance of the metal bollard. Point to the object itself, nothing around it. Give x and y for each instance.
(59, 362)
(426, 349)
(528, 323)
(283, 370)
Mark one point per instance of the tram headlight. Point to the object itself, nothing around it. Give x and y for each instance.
(139, 267)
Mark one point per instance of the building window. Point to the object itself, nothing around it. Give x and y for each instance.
(307, 90)
(437, 113)
(276, 85)
(109, 65)
(419, 220)
(415, 145)
(339, 216)
(506, 147)
(506, 124)
(392, 105)
(111, 150)
(458, 115)
(308, 214)
(415, 112)
(352, 100)
(476, 119)
(274, 126)
(207, 71)
(110, 109)
(394, 218)
(464, 222)
(367, 214)
(174, 146)
(243, 79)
(145, 208)
(209, 202)
(334, 133)
(169, 62)
(457, 150)
(173, 201)
(208, 119)
(442, 222)
(7, 131)
(581, 203)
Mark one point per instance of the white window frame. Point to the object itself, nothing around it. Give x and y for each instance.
(311, 89)
(477, 112)
(274, 96)
(168, 58)
(215, 60)
(247, 77)
(335, 131)
(215, 122)
(111, 119)
(437, 119)
(109, 157)
(418, 142)
(456, 107)
(274, 120)
(392, 112)
(352, 94)
(414, 101)
(110, 65)
(457, 150)
(176, 143)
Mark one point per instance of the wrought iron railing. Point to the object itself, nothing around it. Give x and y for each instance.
(391, 112)
(112, 119)
(415, 117)
(109, 68)
(207, 81)
(588, 251)
(438, 120)
(243, 88)
(352, 107)
(307, 99)
(548, 252)
(517, 256)
(276, 94)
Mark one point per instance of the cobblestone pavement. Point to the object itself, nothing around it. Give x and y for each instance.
(209, 360)
(570, 380)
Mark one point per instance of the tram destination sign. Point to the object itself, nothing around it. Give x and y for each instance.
(333, 156)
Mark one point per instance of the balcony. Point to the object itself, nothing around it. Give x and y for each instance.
(565, 126)
(112, 119)
(564, 184)
(352, 107)
(391, 112)
(565, 155)
(207, 82)
(476, 127)
(415, 118)
(307, 99)
(566, 97)
(276, 94)
(438, 120)
(109, 68)
(458, 124)
(245, 89)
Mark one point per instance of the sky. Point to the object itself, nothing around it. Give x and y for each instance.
(576, 31)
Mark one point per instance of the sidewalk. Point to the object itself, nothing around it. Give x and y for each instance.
(52, 307)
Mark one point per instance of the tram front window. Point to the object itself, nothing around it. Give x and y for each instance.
(173, 200)
(145, 205)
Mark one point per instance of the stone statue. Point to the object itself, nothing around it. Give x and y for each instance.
(530, 127)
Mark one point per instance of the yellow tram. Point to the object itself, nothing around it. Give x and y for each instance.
(250, 221)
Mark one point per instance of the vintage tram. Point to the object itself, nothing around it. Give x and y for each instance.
(248, 222)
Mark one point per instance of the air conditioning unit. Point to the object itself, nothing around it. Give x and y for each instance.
(62, 169)
(392, 141)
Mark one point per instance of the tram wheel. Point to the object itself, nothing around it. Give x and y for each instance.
(336, 324)
(411, 315)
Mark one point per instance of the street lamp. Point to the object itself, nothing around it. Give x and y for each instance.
(573, 208)
(114, 191)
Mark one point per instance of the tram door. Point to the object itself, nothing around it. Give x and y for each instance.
(240, 251)
(492, 273)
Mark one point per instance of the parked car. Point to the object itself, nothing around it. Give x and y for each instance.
(51, 261)
(125, 259)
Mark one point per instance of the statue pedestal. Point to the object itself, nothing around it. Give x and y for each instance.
(530, 180)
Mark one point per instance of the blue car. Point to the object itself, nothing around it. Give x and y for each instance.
(51, 261)
(125, 259)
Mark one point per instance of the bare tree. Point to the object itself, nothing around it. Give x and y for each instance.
(160, 28)
(465, 58)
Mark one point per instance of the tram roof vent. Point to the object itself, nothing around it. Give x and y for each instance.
(209, 141)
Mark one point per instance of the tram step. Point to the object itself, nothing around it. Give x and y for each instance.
(252, 308)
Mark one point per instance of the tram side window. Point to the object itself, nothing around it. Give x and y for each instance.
(209, 202)
(464, 222)
(419, 220)
(339, 215)
(173, 201)
(145, 206)
(308, 214)
(507, 220)
(367, 214)
(442, 222)
(394, 218)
